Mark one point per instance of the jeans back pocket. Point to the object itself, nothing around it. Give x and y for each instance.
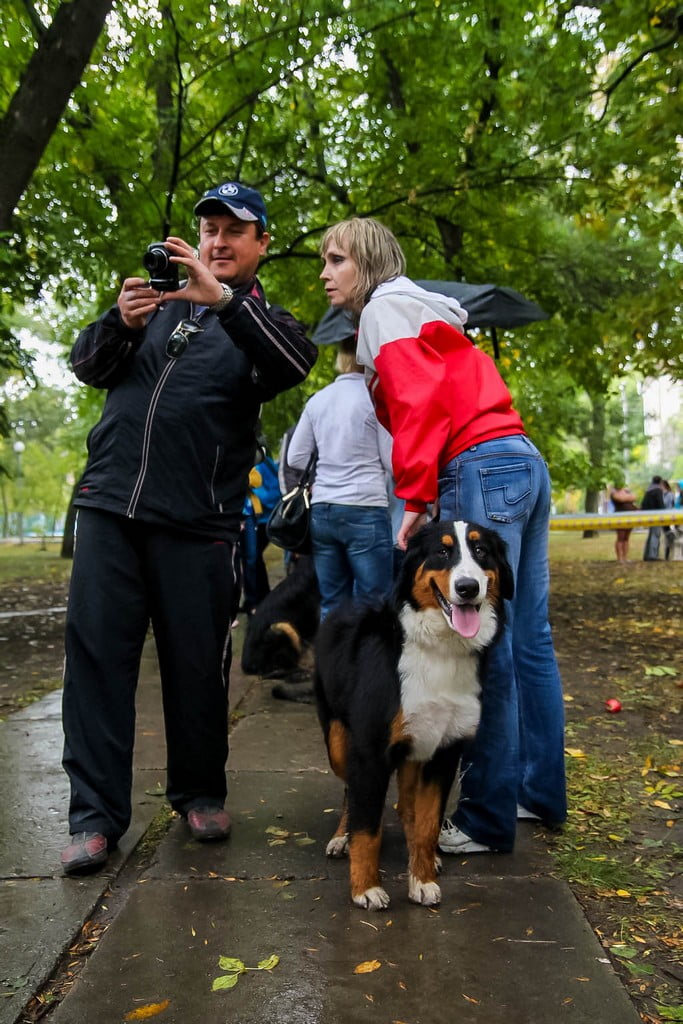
(507, 491)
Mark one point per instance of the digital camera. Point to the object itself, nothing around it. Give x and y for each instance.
(163, 275)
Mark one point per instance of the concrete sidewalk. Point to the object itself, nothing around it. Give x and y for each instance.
(509, 944)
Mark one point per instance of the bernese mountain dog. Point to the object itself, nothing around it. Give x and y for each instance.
(398, 689)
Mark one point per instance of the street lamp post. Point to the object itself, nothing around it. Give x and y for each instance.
(19, 448)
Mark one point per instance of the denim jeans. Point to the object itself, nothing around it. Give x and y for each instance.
(352, 553)
(651, 551)
(517, 755)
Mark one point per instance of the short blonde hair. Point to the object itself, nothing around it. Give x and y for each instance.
(346, 362)
(373, 248)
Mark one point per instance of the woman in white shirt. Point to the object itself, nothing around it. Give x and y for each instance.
(350, 522)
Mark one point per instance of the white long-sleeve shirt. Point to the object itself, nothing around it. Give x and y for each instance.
(354, 450)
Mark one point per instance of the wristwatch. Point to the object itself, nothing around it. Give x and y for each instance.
(225, 299)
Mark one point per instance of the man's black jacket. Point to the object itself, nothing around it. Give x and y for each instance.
(177, 437)
(653, 498)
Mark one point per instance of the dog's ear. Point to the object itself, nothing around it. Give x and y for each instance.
(413, 556)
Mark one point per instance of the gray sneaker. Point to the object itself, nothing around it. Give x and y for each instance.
(452, 840)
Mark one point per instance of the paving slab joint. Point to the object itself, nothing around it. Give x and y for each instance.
(105, 909)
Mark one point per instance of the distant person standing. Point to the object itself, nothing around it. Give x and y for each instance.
(653, 500)
(668, 531)
(624, 500)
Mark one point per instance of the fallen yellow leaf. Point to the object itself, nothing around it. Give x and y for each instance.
(145, 1012)
(367, 967)
(574, 752)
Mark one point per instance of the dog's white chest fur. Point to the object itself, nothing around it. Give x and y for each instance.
(439, 684)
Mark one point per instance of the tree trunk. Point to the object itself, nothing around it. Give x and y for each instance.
(52, 74)
(69, 537)
(596, 450)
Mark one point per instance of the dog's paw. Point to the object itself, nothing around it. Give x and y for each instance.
(372, 899)
(338, 846)
(438, 864)
(428, 894)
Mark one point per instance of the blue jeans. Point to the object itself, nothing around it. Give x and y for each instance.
(352, 553)
(651, 551)
(517, 755)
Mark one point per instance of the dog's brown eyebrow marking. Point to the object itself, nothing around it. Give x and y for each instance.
(474, 535)
(447, 540)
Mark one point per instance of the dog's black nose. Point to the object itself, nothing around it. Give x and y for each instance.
(467, 588)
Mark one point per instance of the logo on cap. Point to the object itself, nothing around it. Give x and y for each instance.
(228, 190)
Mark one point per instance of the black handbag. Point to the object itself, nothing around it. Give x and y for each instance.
(289, 524)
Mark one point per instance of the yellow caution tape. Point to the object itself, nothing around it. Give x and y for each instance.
(618, 520)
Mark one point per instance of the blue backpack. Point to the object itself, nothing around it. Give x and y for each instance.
(268, 492)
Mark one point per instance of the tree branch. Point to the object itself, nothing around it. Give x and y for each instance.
(37, 25)
(51, 76)
(612, 86)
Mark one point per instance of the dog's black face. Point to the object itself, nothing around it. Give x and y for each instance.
(455, 568)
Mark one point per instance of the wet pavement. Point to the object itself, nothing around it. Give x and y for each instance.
(509, 944)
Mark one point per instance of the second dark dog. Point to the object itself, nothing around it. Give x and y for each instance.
(283, 625)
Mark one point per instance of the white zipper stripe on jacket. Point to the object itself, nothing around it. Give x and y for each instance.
(154, 401)
(213, 478)
(146, 437)
(227, 646)
(278, 343)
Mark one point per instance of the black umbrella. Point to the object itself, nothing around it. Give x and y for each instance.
(487, 305)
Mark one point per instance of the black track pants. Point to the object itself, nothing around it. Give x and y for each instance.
(125, 575)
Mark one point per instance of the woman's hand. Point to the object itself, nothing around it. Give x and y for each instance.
(411, 523)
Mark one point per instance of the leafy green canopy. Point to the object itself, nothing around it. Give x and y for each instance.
(531, 145)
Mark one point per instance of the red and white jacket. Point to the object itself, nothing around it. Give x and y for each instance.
(434, 391)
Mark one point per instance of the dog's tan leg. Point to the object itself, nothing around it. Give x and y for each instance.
(407, 778)
(338, 748)
(423, 862)
(366, 891)
(338, 752)
(338, 845)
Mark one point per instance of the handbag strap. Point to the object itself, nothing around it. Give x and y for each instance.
(308, 472)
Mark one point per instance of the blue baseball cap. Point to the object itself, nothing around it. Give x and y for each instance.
(231, 197)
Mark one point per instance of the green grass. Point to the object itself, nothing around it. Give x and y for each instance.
(29, 562)
(572, 546)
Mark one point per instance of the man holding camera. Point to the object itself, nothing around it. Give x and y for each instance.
(186, 370)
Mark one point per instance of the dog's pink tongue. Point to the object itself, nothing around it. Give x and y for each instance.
(465, 620)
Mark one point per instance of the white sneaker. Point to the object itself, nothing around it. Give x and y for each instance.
(524, 815)
(452, 840)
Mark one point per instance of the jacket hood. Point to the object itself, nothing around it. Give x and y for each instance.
(444, 306)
